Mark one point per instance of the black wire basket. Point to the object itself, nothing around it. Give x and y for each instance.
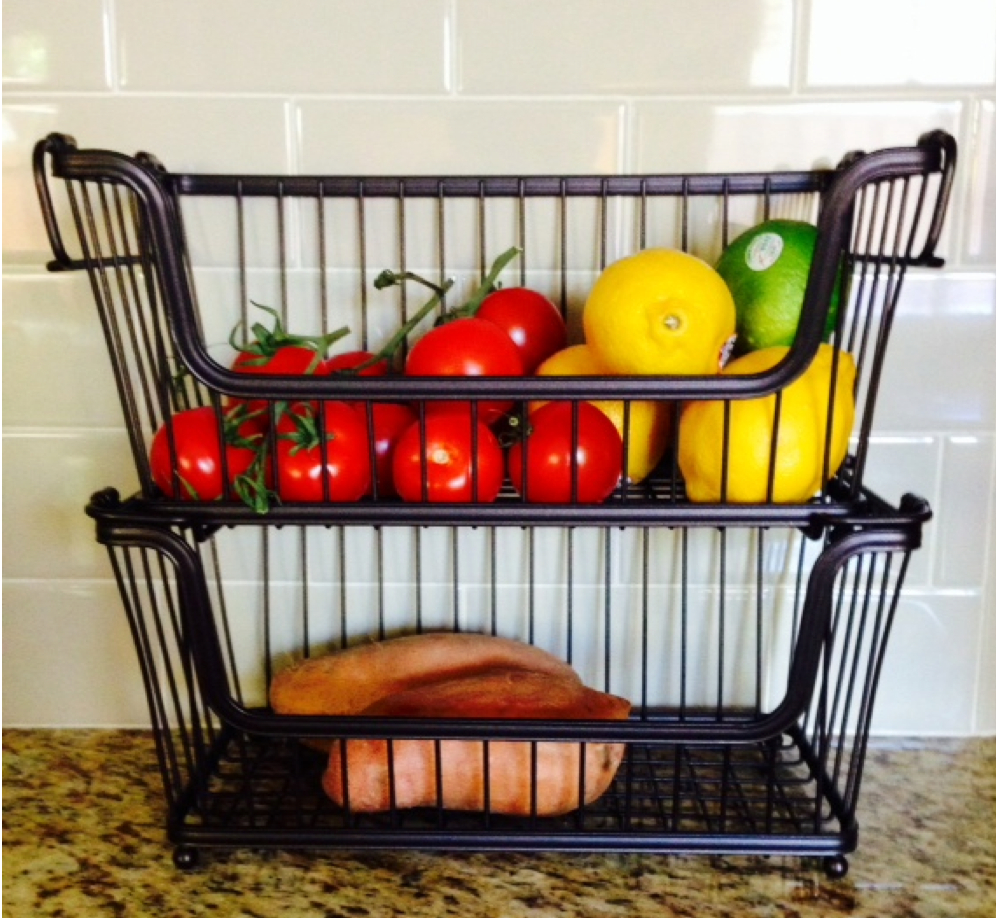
(752, 695)
(176, 262)
(748, 636)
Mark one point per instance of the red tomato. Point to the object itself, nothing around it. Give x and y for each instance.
(390, 421)
(531, 320)
(467, 347)
(454, 470)
(542, 466)
(353, 359)
(288, 360)
(309, 469)
(190, 443)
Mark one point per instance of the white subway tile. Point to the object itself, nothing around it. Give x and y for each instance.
(592, 47)
(57, 370)
(899, 465)
(939, 373)
(49, 46)
(48, 477)
(297, 46)
(718, 136)
(861, 43)
(931, 665)
(69, 660)
(459, 137)
(979, 164)
(213, 135)
(963, 509)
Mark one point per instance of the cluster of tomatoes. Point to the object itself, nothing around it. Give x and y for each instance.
(437, 450)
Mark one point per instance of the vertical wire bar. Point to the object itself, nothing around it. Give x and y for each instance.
(240, 232)
(417, 533)
(759, 631)
(531, 585)
(607, 637)
(521, 221)
(265, 586)
(721, 638)
(381, 610)
(493, 579)
(441, 233)
(323, 288)
(455, 560)
(563, 247)
(645, 533)
(280, 201)
(683, 687)
(305, 591)
(570, 594)
(361, 242)
(343, 589)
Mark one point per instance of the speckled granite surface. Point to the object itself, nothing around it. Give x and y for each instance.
(83, 835)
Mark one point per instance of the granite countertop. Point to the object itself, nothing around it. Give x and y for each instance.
(84, 835)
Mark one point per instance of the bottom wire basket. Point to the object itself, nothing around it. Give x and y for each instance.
(751, 665)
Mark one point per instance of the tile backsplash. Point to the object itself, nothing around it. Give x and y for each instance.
(410, 86)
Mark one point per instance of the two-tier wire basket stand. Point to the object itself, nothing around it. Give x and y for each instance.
(750, 638)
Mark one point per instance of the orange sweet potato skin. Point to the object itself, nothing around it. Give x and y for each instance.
(512, 782)
(351, 680)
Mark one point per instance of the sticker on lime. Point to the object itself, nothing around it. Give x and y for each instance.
(763, 251)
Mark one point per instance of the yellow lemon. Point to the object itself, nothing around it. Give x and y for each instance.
(801, 441)
(646, 430)
(660, 312)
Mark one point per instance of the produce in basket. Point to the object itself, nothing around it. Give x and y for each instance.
(503, 776)
(660, 312)
(800, 444)
(767, 270)
(198, 451)
(448, 459)
(566, 455)
(350, 680)
(647, 428)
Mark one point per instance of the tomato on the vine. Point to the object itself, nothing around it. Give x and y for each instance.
(196, 452)
(362, 363)
(467, 347)
(390, 421)
(322, 455)
(454, 460)
(530, 319)
(543, 465)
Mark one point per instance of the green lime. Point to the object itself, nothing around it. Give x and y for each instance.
(766, 269)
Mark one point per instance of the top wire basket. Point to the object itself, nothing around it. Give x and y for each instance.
(188, 270)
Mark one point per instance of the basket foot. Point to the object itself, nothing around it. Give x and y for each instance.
(835, 867)
(186, 858)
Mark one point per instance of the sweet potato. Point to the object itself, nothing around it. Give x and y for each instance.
(351, 680)
(512, 783)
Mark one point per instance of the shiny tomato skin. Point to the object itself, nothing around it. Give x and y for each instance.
(541, 466)
(390, 421)
(289, 360)
(197, 448)
(350, 360)
(341, 465)
(455, 470)
(530, 319)
(467, 347)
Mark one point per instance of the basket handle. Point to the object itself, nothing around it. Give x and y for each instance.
(945, 147)
(51, 145)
